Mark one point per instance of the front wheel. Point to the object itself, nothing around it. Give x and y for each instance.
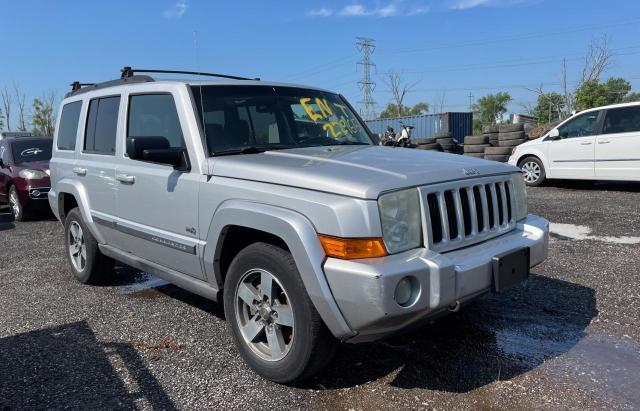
(14, 203)
(533, 171)
(274, 324)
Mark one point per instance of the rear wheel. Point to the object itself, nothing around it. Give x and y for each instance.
(88, 264)
(532, 171)
(274, 324)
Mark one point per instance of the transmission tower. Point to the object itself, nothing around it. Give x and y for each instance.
(367, 105)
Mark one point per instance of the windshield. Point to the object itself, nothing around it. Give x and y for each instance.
(236, 118)
(31, 150)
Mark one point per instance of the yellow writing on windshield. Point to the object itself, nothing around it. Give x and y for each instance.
(320, 109)
(313, 116)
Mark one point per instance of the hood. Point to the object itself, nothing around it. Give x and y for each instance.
(34, 165)
(355, 171)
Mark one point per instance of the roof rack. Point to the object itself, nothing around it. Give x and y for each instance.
(128, 72)
(79, 88)
(76, 85)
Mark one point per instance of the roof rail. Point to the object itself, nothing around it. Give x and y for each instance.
(128, 72)
(79, 88)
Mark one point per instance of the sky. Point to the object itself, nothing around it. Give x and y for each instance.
(447, 49)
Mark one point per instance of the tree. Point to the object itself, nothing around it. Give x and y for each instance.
(399, 90)
(43, 119)
(1, 120)
(20, 100)
(7, 99)
(631, 97)
(490, 108)
(549, 107)
(391, 111)
(617, 89)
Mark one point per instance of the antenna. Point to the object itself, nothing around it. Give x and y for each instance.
(367, 104)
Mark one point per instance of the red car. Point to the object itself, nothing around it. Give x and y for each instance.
(24, 175)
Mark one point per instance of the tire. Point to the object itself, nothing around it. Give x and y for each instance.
(510, 143)
(17, 209)
(500, 151)
(97, 267)
(508, 128)
(476, 155)
(308, 349)
(421, 141)
(478, 148)
(476, 140)
(432, 146)
(532, 171)
(515, 135)
(447, 147)
(444, 140)
(490, 128)
(493, 157)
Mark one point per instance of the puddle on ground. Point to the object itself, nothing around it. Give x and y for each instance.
(582, 232)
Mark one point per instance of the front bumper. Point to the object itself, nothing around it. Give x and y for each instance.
(364, 289)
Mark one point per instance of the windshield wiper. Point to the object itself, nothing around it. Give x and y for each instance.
(250, 150)
(352, 143)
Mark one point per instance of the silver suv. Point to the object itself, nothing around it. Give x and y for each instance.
(274, 200)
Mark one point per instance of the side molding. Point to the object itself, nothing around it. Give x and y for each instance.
(301, 238)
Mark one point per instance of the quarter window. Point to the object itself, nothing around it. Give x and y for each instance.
(582, 126)
(68, 128)
(622, 120)
(102, 125)
(155, 115)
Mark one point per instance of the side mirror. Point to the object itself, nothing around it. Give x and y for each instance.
(554, 134)
(157, 150)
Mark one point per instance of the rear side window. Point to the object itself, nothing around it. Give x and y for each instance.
(69, 126)
(155, 115)
(102, 125)
(622, 120)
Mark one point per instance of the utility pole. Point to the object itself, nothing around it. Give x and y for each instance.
(367, 105)
(470, 101)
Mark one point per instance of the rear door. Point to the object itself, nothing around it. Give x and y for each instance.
(95, 166)
(158, 205)
(65, 142)
(618, 147)
(572, 156)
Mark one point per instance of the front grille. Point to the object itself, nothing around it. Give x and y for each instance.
(466, 212)
(39, 193)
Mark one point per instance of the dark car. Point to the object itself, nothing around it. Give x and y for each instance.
(24, 175)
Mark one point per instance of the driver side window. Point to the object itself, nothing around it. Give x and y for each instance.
(582, 126)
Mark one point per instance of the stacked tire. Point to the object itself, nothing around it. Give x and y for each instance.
(426, 144)
(474, 146)
(446, 142)
(491, 132)
(509, 136)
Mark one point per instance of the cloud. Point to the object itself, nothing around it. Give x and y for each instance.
(177, 10)
(321, 12)
(469, 4)
(397, 8)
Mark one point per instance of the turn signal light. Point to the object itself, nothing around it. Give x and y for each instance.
(353, 248)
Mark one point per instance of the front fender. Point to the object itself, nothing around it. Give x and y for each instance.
(301, 238)
(66, 186)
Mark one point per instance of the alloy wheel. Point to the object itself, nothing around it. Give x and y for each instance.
(531, 171)
(15, 205)
(264, 315)
(77, 247)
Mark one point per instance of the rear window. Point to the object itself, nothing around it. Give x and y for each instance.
(622, 120)
(68, 128)
(102, 125)
(31, 150)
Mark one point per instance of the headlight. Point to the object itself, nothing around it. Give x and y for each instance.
(32, 174)
(520, 196)
(401, 221)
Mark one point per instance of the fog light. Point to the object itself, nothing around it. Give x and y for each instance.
(407, 291)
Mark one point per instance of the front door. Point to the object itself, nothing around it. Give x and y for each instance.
(157, 205)
(572, 155)
(618, 147)
(4, 173)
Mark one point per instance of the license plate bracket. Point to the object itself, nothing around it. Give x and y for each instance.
(510, 268)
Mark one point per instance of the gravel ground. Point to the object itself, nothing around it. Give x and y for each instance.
(567, 338)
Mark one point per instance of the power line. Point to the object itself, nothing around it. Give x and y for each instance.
(365, 46)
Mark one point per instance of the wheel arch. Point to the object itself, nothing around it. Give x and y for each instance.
(71, 193)
(279, 225)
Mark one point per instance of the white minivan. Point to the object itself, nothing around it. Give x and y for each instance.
(601, 143)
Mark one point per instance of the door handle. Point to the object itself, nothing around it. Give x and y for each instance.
(80, 171)
(604, 141)
(586, 143)
(125, 178)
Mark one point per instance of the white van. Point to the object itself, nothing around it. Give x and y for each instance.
(601, 143)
